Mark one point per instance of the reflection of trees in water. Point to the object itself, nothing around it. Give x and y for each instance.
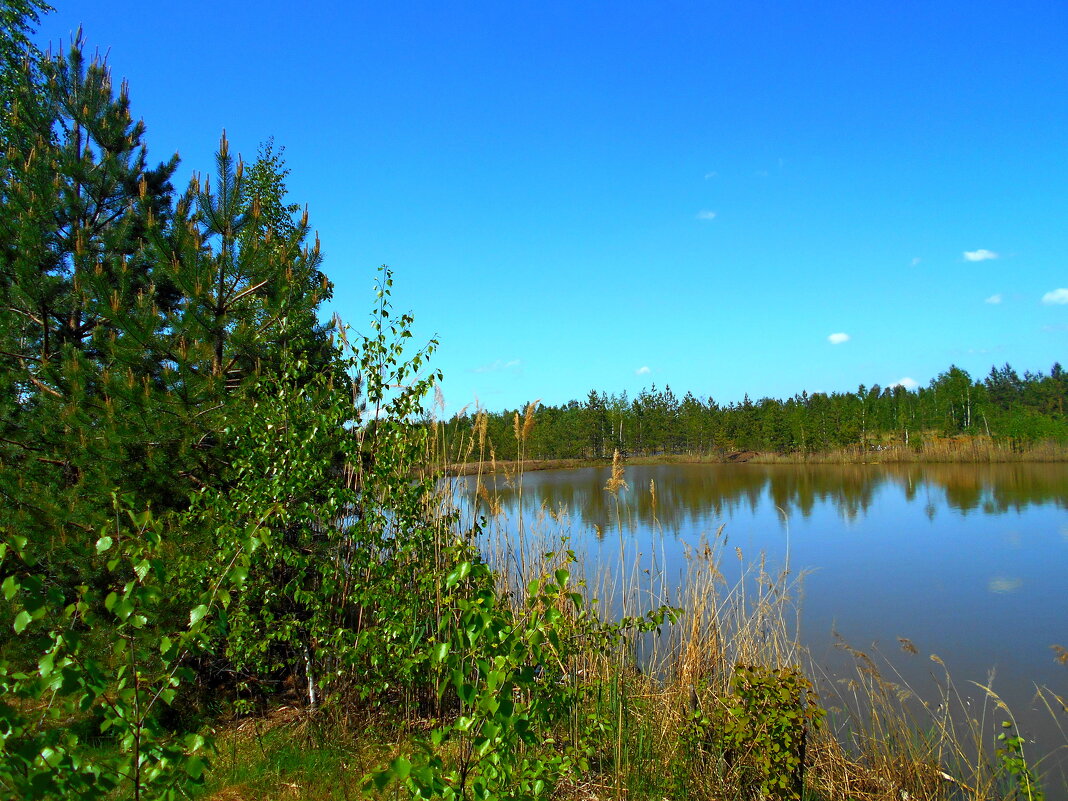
(689, 495)
(1001, 487)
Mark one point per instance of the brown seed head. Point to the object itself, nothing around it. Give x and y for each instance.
(528, 419)
(482, 423)
(616, 482)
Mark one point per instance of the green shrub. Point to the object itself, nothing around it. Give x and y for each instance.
(108, 655)
(1016, 773)
(758, 733)
(521, 724)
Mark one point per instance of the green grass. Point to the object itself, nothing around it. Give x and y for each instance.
(289, 754)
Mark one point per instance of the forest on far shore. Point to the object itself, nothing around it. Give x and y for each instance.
(1013, 410)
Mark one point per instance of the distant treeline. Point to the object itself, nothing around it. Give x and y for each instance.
(1009, 409)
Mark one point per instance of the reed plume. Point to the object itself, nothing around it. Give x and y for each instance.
(481, 425)
(616, 482)
(528, 418)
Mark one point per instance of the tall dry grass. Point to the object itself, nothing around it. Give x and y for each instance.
(932, 448)
(882, 739)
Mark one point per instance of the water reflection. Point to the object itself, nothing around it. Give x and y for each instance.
(686, 494)
(963, 561)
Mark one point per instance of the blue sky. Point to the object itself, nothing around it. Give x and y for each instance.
(594, 195)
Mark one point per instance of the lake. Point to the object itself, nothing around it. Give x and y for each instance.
(968, 562)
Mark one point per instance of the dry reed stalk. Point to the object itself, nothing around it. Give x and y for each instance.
(876, 752)
(932, 448)
(493, 504)
(616, 482)
(903, 743)
(481, 426)
(528, 418)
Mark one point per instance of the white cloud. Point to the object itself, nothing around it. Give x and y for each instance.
(704, 214)
(906, 382)
(995, 299)
(761, 173)
(838, 339)
(979, 255)
(643, 370)
(712, 174)
(497, 366)
(916, 260)
(1055, 296)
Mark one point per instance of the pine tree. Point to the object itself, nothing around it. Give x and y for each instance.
(131, 326)
(75, 289)
(18, 59)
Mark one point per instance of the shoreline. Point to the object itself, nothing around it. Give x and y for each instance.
(961, 453)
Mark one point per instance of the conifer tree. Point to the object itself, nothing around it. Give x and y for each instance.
(75, 292)
(18, 58)
(131, 326)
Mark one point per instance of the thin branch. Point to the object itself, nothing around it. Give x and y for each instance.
(22, 445)
(49, 390)
(20, 356)
(25, 313)
(250, 290)
(209, 409)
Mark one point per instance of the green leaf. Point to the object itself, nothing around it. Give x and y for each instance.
(9, 588)
(197, 614)
(459, 574)
(194, 766)
(103, 544)
(141, 569)
(22, 620)
(440, 651)
(124, 608)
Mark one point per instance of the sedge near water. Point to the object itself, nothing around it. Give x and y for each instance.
(923, 568)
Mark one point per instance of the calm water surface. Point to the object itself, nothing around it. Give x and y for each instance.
(969, 562)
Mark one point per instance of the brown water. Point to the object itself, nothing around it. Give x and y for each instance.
(968, 562)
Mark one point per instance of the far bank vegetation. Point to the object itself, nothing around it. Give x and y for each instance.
(1000, 418)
